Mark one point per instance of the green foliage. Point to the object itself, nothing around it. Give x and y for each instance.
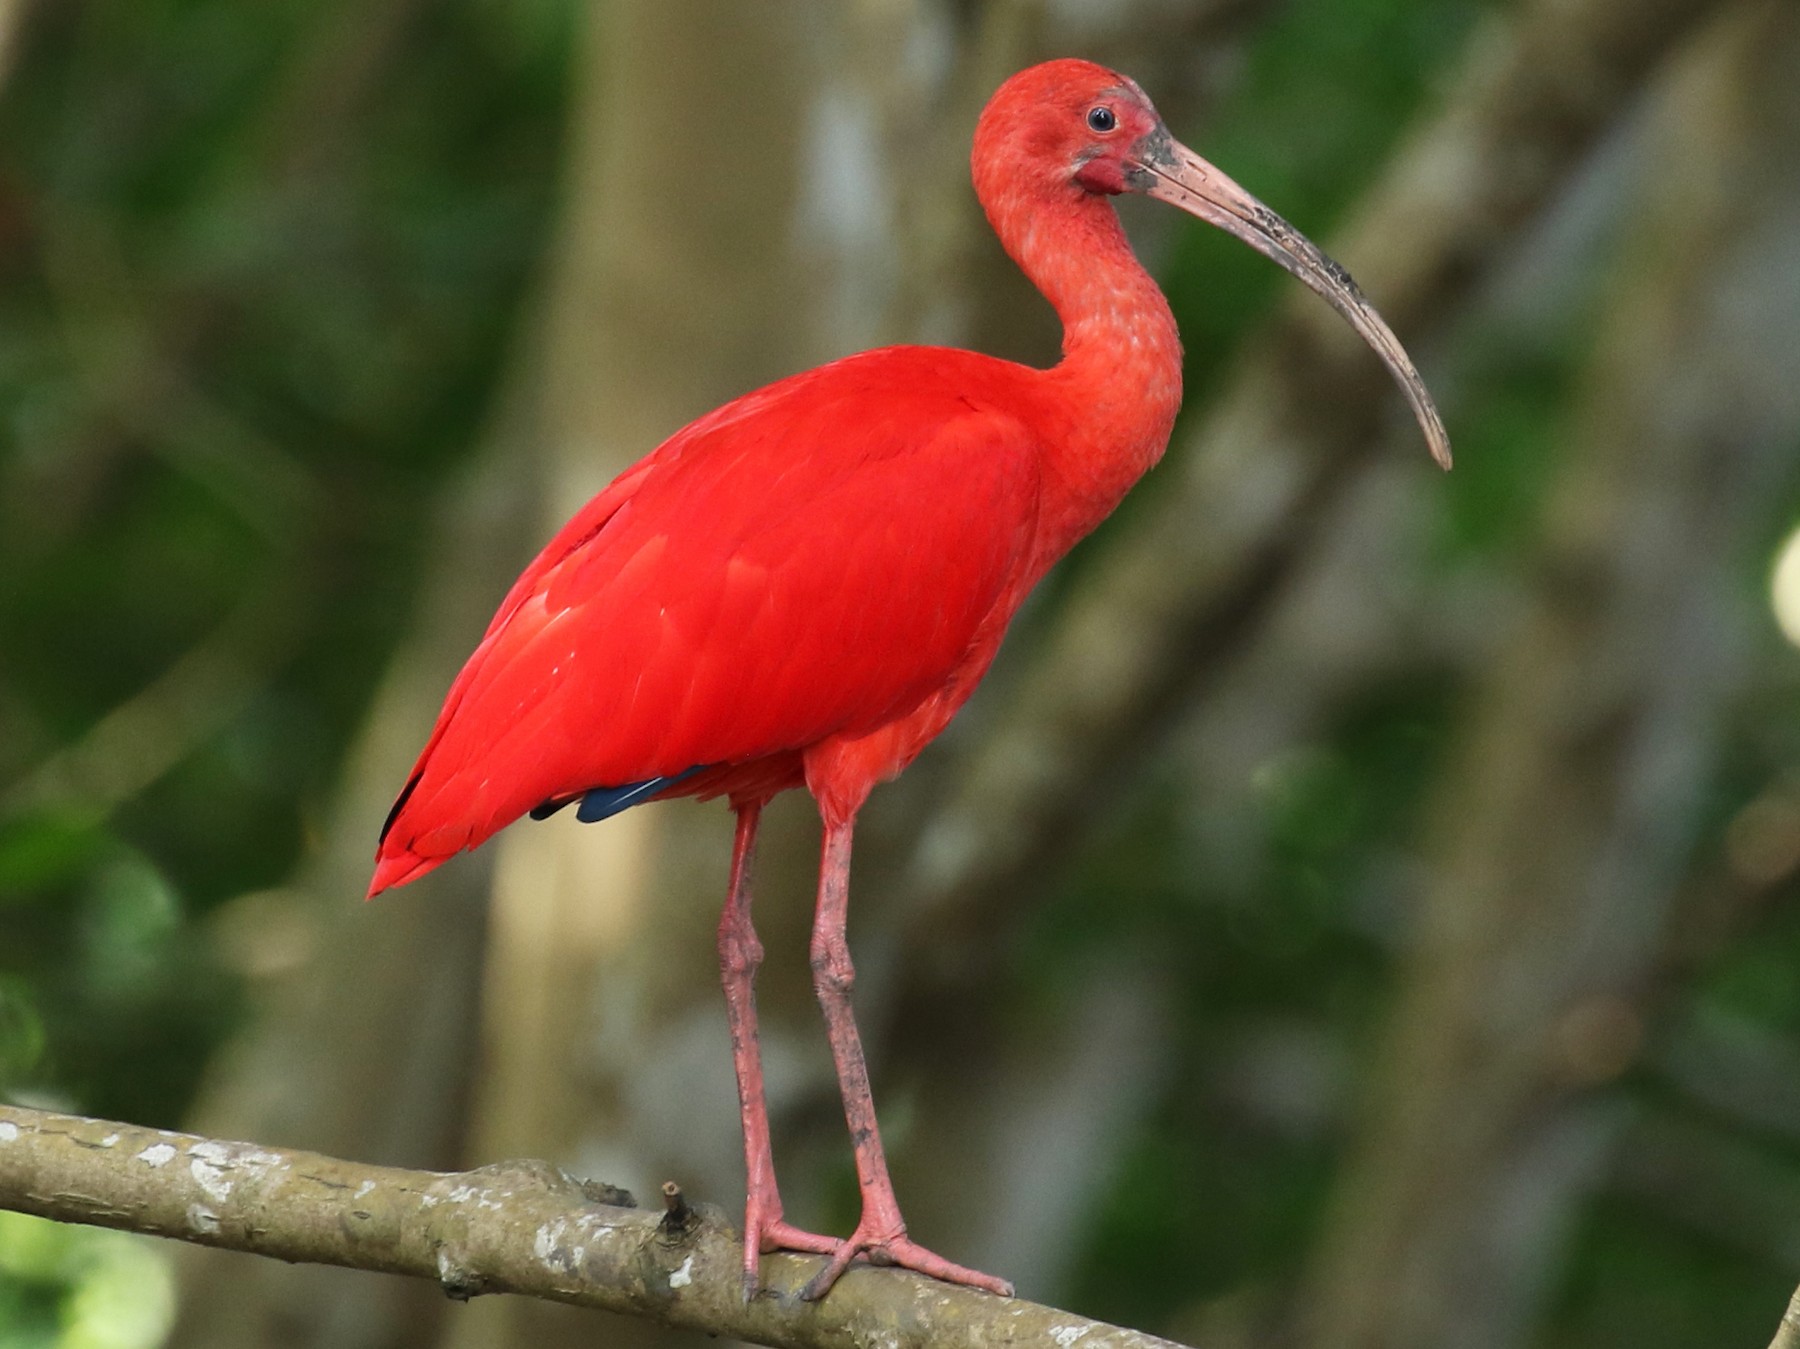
(1282, 974)
(259, 265)
(80, 1288)
(263, 262)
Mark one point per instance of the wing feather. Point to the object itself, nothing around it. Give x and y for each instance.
(813, 560)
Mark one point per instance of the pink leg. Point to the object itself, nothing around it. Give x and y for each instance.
(881, 1235)
(739, 955)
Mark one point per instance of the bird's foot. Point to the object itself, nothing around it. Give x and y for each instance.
(900, 1251)
(765, 1235)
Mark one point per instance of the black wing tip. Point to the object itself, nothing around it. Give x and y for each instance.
(543, 810)
(400, 801)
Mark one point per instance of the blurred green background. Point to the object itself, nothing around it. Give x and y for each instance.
(1406, 953)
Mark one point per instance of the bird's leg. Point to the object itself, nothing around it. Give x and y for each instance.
(739, 954)
(881, 1234)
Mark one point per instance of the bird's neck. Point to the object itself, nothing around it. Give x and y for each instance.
(1116, 390)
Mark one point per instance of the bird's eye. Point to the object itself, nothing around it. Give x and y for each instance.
(1101, 119)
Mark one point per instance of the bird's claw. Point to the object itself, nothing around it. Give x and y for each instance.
(765, 1237)
(902, 1252)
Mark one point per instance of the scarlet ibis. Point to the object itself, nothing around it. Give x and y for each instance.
(802, 587)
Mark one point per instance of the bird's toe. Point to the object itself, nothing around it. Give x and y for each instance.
(764, 1237)
(900, 1252)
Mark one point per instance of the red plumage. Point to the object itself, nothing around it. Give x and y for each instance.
(804, 586)
(769, 578)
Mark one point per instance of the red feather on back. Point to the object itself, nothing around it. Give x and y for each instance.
(814, 560)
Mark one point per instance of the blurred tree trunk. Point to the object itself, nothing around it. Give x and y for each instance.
(1565, 828)
(364, 1043)
(725, 224)
(13, 16)
(365, 1026)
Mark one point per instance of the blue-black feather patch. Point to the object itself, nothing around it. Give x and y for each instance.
(600, 802)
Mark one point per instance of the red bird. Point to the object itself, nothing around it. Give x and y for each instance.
(802, 588)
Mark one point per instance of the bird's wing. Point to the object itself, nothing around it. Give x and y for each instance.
(813, 560)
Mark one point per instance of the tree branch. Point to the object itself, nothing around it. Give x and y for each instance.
(514, 1227)
(1787, 1335)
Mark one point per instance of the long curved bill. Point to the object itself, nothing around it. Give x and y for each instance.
(1169, 171)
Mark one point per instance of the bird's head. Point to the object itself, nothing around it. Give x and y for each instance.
(1068, 127)
(1070, 131)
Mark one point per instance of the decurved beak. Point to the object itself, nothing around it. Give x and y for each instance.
(1168, 171)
